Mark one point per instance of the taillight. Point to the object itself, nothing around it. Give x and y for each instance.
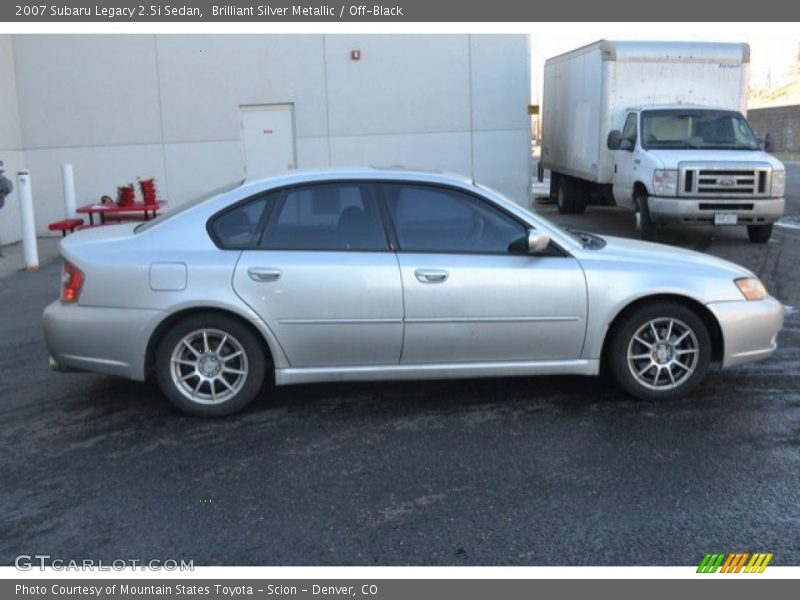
(71, 282)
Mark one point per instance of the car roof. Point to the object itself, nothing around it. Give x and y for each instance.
(339, 174)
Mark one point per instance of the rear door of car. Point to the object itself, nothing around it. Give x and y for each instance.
(467, 296)
(323, 277)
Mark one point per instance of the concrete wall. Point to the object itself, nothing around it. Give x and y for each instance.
(10, 140)
(122, 106)
(780, 125)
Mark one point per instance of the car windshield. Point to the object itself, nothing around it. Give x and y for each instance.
(688, 129)
(186, 206)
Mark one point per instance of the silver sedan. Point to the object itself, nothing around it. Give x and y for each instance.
(385, 275)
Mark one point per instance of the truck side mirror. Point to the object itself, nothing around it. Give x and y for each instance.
(614, 139)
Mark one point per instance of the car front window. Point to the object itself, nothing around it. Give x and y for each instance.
(441, 219)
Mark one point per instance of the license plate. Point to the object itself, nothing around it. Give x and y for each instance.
(722, 218)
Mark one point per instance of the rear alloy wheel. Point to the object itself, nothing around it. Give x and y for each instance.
(660, 351)
(644, 224)
(210, 365)
(759, 234)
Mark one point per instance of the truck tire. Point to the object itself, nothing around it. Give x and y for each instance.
(568, 201)
(582, 191)
(644, 224)
(759, 234)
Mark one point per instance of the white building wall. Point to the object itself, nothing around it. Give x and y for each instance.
(10, 140)
(118, 107)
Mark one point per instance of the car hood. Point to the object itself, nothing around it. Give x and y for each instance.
(659, 255)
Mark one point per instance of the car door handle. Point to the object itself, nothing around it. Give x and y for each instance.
(264, 273)
(431, 275)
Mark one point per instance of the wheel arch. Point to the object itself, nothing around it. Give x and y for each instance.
(639, 187)
(708, 318)
(165, 324)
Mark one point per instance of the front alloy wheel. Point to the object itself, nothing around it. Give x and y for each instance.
(659, 350)
(663, 354)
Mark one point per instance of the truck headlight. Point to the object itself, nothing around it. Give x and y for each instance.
(665, 183)
(751, 288)
(778, 184)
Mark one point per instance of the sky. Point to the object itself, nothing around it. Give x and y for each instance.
(773, 50)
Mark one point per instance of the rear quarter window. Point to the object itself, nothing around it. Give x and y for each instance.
(240, 226)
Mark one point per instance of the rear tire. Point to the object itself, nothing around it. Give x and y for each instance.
(644, 224)
(660, 351)
(759, 234)
(571, 198)
(210, 365)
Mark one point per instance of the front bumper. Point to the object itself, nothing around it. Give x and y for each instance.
(103, 340)
(749, 329)
(701, 211)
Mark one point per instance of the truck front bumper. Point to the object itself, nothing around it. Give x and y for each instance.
(701, 211)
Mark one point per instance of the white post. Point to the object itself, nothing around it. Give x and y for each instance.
(28, 224)
(69, 190)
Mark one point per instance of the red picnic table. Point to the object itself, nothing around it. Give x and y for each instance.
(148, 211)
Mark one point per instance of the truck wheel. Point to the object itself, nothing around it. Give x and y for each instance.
(660, 351)
(644, 224)
(567, 191)
(759, 234)
(582, 191)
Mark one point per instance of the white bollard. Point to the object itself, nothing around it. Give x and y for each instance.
(29, 246)
(69, 190)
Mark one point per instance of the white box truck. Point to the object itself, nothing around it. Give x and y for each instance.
(658, 127)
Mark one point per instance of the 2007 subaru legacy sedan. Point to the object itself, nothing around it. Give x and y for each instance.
(384, 275)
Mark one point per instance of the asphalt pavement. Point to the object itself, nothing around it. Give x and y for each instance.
(532, 471)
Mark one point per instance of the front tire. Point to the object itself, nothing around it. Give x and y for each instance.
(644, 224)
(660, 351)
(759, 234)
(210, 365)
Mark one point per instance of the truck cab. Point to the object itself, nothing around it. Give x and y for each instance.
(694, 165)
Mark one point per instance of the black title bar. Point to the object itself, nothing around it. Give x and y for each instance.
(285, 11)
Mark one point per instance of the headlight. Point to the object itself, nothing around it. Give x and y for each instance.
(665, 183)
(778, 184)
(751, 288)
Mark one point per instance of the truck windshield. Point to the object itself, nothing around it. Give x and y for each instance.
(685, 129)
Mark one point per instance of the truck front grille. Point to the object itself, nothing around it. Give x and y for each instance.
(724, 181)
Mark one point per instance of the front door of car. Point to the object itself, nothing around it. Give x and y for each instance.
(324, 279)
(467, 297)
(625, 163)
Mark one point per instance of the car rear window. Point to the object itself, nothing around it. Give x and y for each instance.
(187, 205)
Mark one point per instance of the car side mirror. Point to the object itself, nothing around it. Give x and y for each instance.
(533, 242)
(614, 139)
(537, 242)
